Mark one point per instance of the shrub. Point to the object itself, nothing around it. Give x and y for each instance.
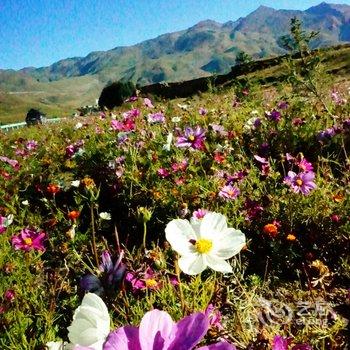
(113, 95)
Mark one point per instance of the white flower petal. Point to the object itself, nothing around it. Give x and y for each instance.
(218, 264)
(229, 243)
(91, 323)
(193, 264)
(178, 233)
(211, 224)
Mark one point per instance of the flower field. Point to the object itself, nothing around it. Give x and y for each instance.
(216, 222)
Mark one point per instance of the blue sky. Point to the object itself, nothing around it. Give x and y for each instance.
(40, 32)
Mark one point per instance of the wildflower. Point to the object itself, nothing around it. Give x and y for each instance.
(53, 188)
(163, 173)
(273, 115)
(25, 203)
(326, 134)
(5, 222)
(208, 244)
(158, 331)
(31, 145)
(78, 126)
(219, 129)
(282, 105)
(214, 317)
(291, 237)
(271, 229)
(29, 239)
(169, 140)
(73, 215)
(253, 209)
(304, 165)
(199, 214)
(75, 183)
(10, 295)
(302, 182)
(338, 198)
(181, 166)
(105, 216)
(337, 99)
(114, 271)
(193, 138)
(148, 103)
(14, 163)
(202, 111)
(91, 322)
(156, 118)
(252, 124)
(88, 182)
(229, 192)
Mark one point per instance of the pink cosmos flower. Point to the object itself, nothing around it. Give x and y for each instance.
(5, 222)
(200, 213)
(14, 163)
(193, 138)
(148, 103)
(304, 165)
(280, 343)
(302, 182)
(163, 173)
(31, 145)
(229, 192)
(158, 331)
(29, 239)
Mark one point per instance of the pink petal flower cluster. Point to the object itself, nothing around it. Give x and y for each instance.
(229, 192)
(192, 138)
(29, 239)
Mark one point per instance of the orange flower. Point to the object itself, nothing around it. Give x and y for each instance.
(271, 230)
(74, 214)
(88, 182)
(291, 237)
(338, 198)
(53, 188)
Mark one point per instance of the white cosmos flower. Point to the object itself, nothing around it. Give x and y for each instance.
(206, 243)
(105, 216)
(91, 322)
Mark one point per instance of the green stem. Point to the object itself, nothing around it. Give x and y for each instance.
(182, 299)
(94, 250)
(144, 234)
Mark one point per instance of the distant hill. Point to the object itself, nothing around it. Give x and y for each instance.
(206, 48)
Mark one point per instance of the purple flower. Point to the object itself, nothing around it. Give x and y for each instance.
(29, 239)
(273, 115)
(200, 213)
(31, 145)
(158, 331)
(202, 111)
(214, 316)
(304, 165)
(229, 192)
(156, 118)
(282, 105)
(163, 173)
(326, 134)
(302, 182)
(114, 271)
(193, 138)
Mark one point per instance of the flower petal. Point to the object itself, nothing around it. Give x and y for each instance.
(178, 233)
(228, 243)
(156, 330)
(211, 224)
(124, 338)
(189, 331)
(218, 264)
(192, 264)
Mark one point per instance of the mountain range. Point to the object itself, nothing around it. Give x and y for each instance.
(206, 48)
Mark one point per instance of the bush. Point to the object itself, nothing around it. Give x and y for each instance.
(113, 95)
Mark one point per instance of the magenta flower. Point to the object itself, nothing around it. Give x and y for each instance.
(163, 173)
(14, 163)
(31, 145)
(273, 115)
(229, 192)
(302, 182)
(200, 213)
(214, 316)
(193, 138)
(304, 165)
(280, 343)
(29, 239)
(158, 331)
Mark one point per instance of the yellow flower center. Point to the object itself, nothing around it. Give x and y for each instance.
(28, 241)
(191, 138)
(299, 182)
(203, 245)
(150, 283)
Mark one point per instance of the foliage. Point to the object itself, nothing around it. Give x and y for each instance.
(114, 94)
